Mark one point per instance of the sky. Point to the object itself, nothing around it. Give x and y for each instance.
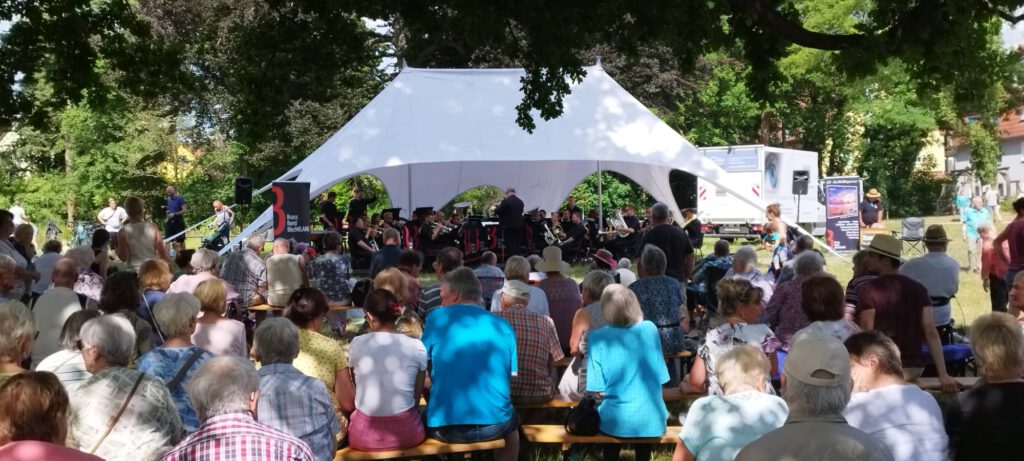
(1013, 35)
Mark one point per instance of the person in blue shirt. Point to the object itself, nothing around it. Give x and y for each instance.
(625, 362)
(472, 356)
(973, 217)
(176, 209)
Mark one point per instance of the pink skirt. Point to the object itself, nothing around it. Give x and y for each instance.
(382, 433)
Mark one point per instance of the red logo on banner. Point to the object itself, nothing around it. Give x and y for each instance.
(279, 217)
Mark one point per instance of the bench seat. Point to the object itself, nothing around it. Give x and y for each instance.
(429, 447)
(561, 401)
(553, 433)
(929, 384)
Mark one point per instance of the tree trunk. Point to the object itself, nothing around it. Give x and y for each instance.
(70, 198)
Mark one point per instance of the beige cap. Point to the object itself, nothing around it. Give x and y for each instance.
(821, 354)
(516, 289)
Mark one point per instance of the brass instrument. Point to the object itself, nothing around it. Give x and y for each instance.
(550, 236)
(445, 228)
(618, 222)
(559, 233)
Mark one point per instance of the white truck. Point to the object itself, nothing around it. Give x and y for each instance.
(765, 175)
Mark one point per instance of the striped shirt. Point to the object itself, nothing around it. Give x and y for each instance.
(237, 437)
(246, 272)
(430, 299)
(294, 403)
(69, 366)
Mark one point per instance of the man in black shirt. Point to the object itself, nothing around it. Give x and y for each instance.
(574, 232)
(361, 250)
(692, 227)
(431, 238)
(510, 220)
(570, 206)
(330, 217)
(623, 247)
(357, 206)
(671, 240)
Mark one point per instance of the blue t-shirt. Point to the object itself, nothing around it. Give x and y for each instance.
(628, 365)
(973, 218)
(473, 357)
(717, 427)
(164, 363)
(175, 204)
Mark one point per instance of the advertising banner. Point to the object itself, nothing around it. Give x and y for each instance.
(291, 210)
(842, 223)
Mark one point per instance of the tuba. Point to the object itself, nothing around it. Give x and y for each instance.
(617, 222)
(550, 237)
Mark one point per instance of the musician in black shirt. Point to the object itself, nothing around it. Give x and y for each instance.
(330, 217)
(692, 227)
(360, 247)
(357, 206)
(570, 206)
(625, 246)
(574, 232)
(510, 218)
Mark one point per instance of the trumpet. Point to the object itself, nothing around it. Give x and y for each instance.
(444, 227)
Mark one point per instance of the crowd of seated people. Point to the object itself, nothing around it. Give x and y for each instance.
(181, 379)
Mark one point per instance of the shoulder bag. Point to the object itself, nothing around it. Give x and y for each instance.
(583, 419)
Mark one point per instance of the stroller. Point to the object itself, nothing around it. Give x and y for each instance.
(217, 239)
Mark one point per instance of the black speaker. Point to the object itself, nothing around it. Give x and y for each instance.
(801, 178)
(243, 190)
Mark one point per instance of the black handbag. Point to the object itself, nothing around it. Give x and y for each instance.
(584, 419)
(359, 292)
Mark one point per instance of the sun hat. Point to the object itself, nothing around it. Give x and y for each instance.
(935, 234)
(815, 353)
(605, 257)
(886, 245)
(516, 289)
(873, 193)
(553, 261)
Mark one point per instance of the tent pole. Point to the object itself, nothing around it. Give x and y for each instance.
(408, 177)
(600, 199)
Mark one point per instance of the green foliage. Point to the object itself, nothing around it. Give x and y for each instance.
(723, 111)
(618, 191)
(985, 151)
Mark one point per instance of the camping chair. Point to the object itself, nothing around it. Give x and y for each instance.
(912, 233)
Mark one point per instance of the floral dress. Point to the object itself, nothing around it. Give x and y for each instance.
(660, 300)
(724, 337)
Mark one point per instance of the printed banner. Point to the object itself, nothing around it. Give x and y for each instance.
(291, 210)
(842, 223)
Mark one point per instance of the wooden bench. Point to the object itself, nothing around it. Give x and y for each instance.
(553, 433)
(429, 447)
(339, 307)
(932, 384)
(561, 401)
(260, 312)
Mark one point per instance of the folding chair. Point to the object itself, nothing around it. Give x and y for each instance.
(912, 233)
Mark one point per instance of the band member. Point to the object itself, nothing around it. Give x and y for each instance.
(357, 206)
(537, 223)
(510, 220)
(570, 206)
(431, 234)
(592, 228)
(330, 217)
(692, 227)
(623, 246)
(574, 232)
(362, 252)
(176, 209)
(565, 218)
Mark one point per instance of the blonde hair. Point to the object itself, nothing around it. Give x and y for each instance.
(620, 307)
(391, 279)
(742, 368)
(155, 274)
(213, 295)
(998, 342)
(16, 324)
(134, 206)
(732, 292)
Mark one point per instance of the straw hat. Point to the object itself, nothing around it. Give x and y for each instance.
(605, 257)
(873, 193)
(935, 234)
(553, 261)
(886, 245)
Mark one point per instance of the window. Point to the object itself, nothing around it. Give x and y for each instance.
(971, 120)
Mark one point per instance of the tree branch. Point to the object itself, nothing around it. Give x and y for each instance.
(777, 23)
(1005, 15)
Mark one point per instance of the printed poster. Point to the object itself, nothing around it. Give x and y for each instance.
(842, 224)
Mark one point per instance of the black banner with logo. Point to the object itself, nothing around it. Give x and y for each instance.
(291, 210)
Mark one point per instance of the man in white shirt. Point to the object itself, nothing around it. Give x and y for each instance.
(112, 217)
(54, 307)
(44, 265)
(938, 272)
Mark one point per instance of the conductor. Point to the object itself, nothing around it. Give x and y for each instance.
(510, 220)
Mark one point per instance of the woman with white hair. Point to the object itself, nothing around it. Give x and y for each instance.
(983, 423)
(784, 313)
(744, 266)
(630, 377)
(149, 422)
(177, 359)
(588, 319)
(719, 426)
(89, 283)
(626, 276)
(17, 335)
(739, 303)
(139, 240)
(518, 268)
(8, 279)
(23, 271)
(205, 265)
(68, 363)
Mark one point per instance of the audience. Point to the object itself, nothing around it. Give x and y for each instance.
(290, 401)
(34, 420)
(139, 240)
(285, 274)
(410, 262)
(720, 258)
(719, 426)
(861, 274)
(630, 377)
(89, 283)
(535, 276)
(319, 356)
(587, 319)
(739, 303)
(822, 302)
(155, 279)
(626, 276)
(68, 363)
(993, 268)
(121, 295)
(388, 255)
(517, 268)
(661, 302)
(54, 306)
(178, 359)
(9, 283)
(447, 260)
(537, 347)
(803, 243)
(214, 332)
(205, 266)
(246, 272)
(938, 273)
(562, 293)
(148, 424)
(982, 422)
(471, 353)
(329, 273)
(899, 414)
(488, 266)
(816, 388)
(24, 276)
(744, 266)
(17, 335)
(225, 392)
(899, 307)
(784, 313)
(44, 265)
(384, 382)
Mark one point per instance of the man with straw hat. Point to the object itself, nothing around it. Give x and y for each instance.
(899, 306)
(562, 292)
(871, 211)
(939, 273)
